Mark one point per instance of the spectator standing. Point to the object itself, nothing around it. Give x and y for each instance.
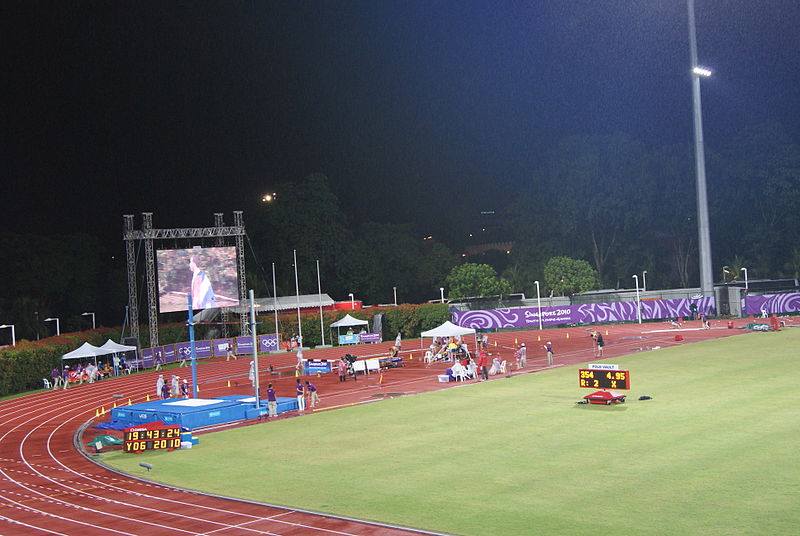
(398, 341)
(65, 376)
(522, 356)
(342, 368)
(175, 387)
(483, 364)
(230, 355)
(160, 385)
(301, 396)
(165, 390)
(115, 361)
(549, 349)
(313, 397)
(56, 375)
(272, 401)
(185, 389)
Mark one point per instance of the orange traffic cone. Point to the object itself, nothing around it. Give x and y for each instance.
(147, 398)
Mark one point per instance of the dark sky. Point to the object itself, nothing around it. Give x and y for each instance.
(190, 108)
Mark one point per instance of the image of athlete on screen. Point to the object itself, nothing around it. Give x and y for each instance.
(202, 292)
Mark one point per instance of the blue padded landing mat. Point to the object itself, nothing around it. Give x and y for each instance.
(195, 412)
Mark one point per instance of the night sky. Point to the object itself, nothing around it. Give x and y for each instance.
(189, 108)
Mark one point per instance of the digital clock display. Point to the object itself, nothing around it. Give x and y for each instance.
(139, 439)
(604, 379)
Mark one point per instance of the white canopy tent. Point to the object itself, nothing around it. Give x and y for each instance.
(348, 321)
(114, 347)
(85, 350)
(448, 329)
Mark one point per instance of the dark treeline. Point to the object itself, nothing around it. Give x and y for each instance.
(610, 200)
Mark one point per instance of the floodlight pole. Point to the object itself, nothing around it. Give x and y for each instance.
(58, 325)
(441, 291)
(13, 335)
(746, 282)
(704, 239)
(297, 291)
(638, 303)
(92, 314)
(275, 307)
(321, 321)
(539, 303)
(255, 347)
(394, 290)
(644, 281)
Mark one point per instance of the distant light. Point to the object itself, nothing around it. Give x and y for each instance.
(508, 251)
(463, 254)
(269, 198)
(483, 229)
(701, 71)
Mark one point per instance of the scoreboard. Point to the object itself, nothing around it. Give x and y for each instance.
(604, 379)
(151, 436)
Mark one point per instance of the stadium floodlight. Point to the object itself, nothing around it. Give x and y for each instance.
(58, 325)
(13, 335)
(701, 71)
(92, 314)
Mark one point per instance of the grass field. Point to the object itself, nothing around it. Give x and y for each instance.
(714, 452)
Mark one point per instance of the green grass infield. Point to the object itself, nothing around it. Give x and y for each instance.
(715, 452)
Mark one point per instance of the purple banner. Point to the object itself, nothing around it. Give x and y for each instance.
(169, 353)
(244, 345)
(369, 337)
(268, 343)
(147, 357)
(202, 349)
(183, 350)
(581, 314)
(220, 346)
(772, 303)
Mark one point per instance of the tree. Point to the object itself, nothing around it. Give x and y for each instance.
(472, 279)
(569, 276)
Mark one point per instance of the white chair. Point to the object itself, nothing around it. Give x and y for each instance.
(46, 383)
(428, 357)
(360, 366)
(373, 365)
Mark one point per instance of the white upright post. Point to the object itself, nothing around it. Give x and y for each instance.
(539, 303)
(297, 290)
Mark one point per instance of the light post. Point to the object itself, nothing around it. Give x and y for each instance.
(746, 282)
(13, 335)
(394, 290)
(58, 326)
(644, 281)
(539, 303)
(92, 314)
(352, 301)
(704, 240)
(638, 306)
(441, 291)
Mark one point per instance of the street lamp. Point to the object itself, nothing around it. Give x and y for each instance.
(394, 290)
(441, 291)
(638, 303)
(644, 281)
(58, 326)
(87, 314)
(704, 240)
(352, 301)
(13, 335)
(539, 303)
(746, 282)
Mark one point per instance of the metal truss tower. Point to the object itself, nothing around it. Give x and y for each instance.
(148, 234)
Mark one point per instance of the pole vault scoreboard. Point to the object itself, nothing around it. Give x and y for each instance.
(603, 376)
(151, 436)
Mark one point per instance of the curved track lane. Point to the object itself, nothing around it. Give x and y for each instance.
(48, 487)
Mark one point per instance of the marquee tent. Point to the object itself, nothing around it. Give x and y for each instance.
(113, 347)
(448, 329)
(348, 321)
(85, 350)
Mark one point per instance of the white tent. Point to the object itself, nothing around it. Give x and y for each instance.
(448, 329)
(349, 321)
(114, 347)
(85, 350)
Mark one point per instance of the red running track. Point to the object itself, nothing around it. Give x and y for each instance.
(49, 487)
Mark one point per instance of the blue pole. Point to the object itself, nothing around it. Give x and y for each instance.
(191, 345)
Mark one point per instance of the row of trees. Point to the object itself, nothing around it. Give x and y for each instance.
(609, 201)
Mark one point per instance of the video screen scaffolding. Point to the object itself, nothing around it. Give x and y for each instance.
(215, 276)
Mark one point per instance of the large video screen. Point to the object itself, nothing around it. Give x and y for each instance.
(209, 274)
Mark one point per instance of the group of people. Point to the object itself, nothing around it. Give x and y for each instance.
(174, 389)
(80, 373)
(448, 349)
